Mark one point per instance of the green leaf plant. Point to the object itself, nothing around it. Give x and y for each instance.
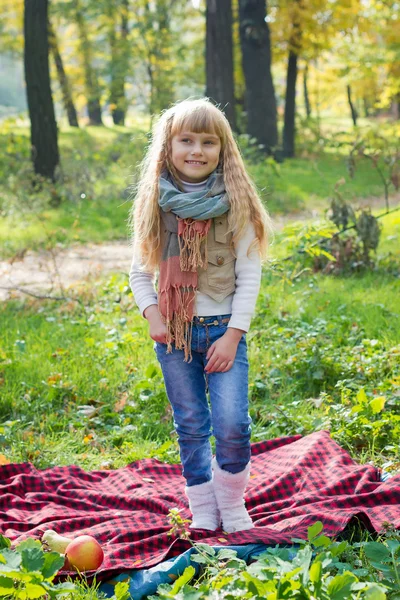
(319, 571)
(28, 572)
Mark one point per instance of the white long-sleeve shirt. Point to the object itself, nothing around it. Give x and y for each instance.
(240, 304)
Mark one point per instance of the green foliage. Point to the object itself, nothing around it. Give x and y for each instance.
(352, 251)
(384, 556)
(254, 152)
(322, 569)
(178, 524)
(304, 244)
(161, 48)
(28, 571)
(383, 154)
(349, 247)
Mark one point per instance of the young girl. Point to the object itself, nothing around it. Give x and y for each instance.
(199, 223)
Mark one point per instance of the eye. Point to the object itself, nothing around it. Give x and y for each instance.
(185, 140)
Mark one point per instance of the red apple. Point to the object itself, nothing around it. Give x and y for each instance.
(84, 553)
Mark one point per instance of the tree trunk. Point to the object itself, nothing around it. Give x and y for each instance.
(289, 126)
(366, 107)
(156, 23)
(354, 114)
(395, 107)
(306, 96)
(219, 57)
(119, 65)
(63, 79)
(37, 76)
(91, 81)
(256, 60)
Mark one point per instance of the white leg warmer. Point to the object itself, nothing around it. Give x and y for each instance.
(203, 506)
(229, 490)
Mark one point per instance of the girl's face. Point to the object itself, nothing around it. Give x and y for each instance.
(195, 155)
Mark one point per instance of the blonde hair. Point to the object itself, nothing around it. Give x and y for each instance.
(199, 116)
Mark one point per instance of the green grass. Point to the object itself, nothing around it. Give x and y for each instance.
(307, 183)
(63, 358)
(85, 223)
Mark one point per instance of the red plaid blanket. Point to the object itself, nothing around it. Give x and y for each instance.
(295, 481)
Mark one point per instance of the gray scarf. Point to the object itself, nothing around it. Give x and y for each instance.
(208, 203)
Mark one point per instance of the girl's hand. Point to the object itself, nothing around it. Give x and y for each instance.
(157, 329)
(221, 354)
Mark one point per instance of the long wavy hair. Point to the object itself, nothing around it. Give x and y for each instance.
(198, 116)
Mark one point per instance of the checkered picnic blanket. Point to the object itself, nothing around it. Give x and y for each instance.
(294, 482)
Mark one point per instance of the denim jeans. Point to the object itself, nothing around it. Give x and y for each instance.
(226, 416)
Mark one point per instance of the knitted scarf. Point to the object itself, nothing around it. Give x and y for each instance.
(187, 217)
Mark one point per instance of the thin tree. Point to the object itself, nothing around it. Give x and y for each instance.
(305, 91)
(289, 126)
(69, 106)
(219, 57)
(353, 110)
(91, 80)
(118, 39)
(256, 61)
(44, 142)
(158, 43)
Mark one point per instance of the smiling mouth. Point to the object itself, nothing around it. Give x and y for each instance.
(195, 162)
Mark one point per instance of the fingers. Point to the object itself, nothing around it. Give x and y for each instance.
(210, 351)
(228, 367)
(219, 367)
(212, 359)
(160, 340)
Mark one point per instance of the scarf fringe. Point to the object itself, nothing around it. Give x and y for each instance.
(190, 240)
(179, 323)
(176, 299)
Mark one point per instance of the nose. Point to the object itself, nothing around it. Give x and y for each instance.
(197, 149)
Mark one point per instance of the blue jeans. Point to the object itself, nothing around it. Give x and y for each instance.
(228, 419)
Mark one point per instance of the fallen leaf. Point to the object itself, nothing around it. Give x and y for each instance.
(54, 378)
(106, 465)
(120, 403)
(88, 411)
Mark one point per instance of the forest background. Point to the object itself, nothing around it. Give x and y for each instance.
(312, 90)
